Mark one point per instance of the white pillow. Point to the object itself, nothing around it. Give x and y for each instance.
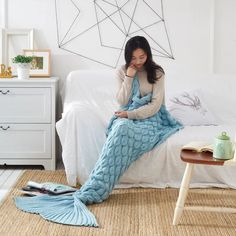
(189, 108)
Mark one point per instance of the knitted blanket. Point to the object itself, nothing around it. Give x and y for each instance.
(126, 141)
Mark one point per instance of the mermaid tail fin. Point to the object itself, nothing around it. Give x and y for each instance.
(60, 209)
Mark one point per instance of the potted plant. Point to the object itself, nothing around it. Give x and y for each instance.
(23, 65)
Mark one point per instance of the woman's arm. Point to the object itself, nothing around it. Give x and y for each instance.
(124, 87)
(152, 107)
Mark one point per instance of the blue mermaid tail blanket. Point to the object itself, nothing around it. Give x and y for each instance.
(126, 141)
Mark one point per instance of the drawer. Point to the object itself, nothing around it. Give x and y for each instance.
(25, 141)
(25, 105)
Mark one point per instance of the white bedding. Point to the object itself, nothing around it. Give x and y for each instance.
(88, 106)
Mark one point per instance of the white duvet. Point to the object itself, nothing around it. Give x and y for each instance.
(87, 109)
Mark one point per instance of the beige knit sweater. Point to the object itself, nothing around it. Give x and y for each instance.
(124, 91)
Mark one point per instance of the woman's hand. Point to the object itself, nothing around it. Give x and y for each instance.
(131, 71)
(121, 114)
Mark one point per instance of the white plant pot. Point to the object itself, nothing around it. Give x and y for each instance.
(23, 70)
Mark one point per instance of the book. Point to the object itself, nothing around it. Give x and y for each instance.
(198, 146)
(31, 193)
(36, 189)
(35, 192)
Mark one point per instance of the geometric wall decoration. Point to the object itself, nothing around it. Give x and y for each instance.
(99, 29)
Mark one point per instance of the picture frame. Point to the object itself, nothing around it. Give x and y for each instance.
(12, 42)
(40, 65)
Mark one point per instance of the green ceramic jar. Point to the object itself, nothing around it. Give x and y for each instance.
(223, 148)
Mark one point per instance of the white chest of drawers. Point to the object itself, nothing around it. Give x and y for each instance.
(27, 122)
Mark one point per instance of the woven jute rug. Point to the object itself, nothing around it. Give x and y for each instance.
(130, 212)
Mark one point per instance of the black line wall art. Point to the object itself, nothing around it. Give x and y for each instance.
(98, 29)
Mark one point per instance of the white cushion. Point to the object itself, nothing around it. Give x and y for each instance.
(189, 108)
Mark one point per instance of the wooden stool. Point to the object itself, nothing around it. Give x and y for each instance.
(191, 158)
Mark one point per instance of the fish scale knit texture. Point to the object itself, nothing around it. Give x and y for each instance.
(126, 141)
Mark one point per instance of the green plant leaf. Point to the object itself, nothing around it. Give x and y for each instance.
(22, 59)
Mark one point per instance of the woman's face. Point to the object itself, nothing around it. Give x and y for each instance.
(139, 58)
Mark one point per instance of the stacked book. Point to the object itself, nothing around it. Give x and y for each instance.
(36, 189)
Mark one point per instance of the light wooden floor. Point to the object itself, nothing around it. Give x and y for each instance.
(8, 178)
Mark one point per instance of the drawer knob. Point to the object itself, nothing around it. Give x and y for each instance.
(5, 128)
(4, 93)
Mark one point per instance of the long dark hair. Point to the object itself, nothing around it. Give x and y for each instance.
(150, 66)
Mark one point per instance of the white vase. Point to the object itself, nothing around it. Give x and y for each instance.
(23, 70)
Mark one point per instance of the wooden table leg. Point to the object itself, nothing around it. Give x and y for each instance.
(183, 193)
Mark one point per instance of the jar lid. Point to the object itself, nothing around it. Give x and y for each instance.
(223, 136)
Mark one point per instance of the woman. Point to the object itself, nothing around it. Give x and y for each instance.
(149, 124)
(139, 62)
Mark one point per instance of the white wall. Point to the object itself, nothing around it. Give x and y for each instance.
(189, 24)
(225, 36)
(3, 16)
